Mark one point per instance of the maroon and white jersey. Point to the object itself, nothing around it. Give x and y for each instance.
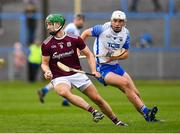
(64, 50)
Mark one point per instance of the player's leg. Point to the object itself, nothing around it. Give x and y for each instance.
(44, 91)
(93, 94)
(63, 88)
(132, 84)
(84, 84)
(125, 85)
(152, 112)
(64, 91)
(126, 75)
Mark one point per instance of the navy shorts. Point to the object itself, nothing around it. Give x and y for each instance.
(106, 68)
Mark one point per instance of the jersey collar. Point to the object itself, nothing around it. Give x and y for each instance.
(60, 38)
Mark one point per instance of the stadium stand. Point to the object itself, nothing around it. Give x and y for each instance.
(157, 62)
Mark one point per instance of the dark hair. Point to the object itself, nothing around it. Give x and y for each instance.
(81, 16)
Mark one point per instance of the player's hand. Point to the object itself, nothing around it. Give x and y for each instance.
(48, 75)
(97, 74)
(118, 54)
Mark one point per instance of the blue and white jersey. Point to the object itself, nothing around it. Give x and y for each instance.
(107, 40)
(72, 29)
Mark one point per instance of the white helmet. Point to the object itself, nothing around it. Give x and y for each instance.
(118, 15)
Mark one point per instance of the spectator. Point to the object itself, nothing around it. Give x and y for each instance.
(1, 28)
(19, 59)
(156, 3)
(31, 21)
(34, 61)
(145, 40)
(75, 26)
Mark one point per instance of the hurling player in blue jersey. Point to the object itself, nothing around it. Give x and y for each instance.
(110, 37)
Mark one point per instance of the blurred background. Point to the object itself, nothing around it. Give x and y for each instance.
(153, 24)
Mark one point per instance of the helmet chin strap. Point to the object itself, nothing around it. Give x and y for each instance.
(54, 33)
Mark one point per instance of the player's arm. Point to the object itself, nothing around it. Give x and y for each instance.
(87, 33)
(91, 60)
(94, 32)
(89, 55)
(84, 36)
(45, 67)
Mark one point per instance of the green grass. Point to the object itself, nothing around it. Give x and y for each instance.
(20, 110)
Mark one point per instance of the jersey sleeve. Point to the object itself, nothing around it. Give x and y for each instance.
(80, 44)
(45, 50)
(96, 30)
(127, 42)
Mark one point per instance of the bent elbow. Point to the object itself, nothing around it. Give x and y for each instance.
(85, 34)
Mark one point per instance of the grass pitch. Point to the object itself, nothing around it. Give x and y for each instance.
(20, 110)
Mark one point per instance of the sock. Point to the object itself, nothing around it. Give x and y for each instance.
(65, 100)
(45, 90)
(144, 109)
(114, 119)
(91, 109)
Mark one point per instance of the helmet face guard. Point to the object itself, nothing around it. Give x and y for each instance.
(55, 19)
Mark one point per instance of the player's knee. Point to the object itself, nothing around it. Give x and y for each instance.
(126, 87)
(125, 84)
(63, 92)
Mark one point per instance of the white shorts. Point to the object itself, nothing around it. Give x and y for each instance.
(80, 81)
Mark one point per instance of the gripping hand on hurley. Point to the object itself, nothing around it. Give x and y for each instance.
(48, 75)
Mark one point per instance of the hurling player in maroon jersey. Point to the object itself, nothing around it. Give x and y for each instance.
(71, 28)
(62, 47)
